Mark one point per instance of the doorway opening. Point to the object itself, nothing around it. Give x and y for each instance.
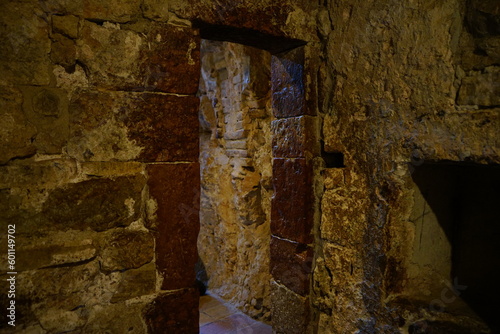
(456, 258)
(236, 175)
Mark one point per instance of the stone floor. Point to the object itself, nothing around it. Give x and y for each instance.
(217, 317)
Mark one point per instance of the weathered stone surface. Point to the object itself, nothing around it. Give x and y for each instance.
(63, 51)
(292, 204)
(264, 17)
(343, 208)
(25, 44)
(481, 89)
(136, 283)
(165, 58)
(98, 204)
(16, 132)
(112, 168)
(103, 319)
(60, 249)
(175, 188)
(47, 173)
(290, 312)
(113, 10)
(291, 264)
(47, 109)
(68, 25)
(235, 196)
(287, 84)
(339, 281)
(174, 312)
(172, 60)
(124, 249)
(295, 137)
(63, 287)
(155, 9)
(143, 126)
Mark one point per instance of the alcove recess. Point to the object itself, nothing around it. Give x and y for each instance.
(455, 264)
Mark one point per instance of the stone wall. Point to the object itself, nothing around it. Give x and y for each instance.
(99, 157)
(404, 85)
(235, 158)
(99, 166)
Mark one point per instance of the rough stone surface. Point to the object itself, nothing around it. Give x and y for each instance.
(287, 73)
(47, 110)
(104, 319)
(16, 132)
(98, 204)
(124, 249)
(135, 283)
(481, 89)
(175, 188)
(290, 311)
(25, 44)
(291, 264)
(295, 137)
(161, 58)
(142, 126)
(392, 102)
(292, 202)
(236, 174)
(165, 315)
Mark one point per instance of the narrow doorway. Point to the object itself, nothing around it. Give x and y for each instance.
(236, 180)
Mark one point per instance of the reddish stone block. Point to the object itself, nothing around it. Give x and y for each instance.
(174, 313)
(172, 60)
(133, 126)
(291, 264)
(162, 58)
(166, 126)
(295, 137)
(292, 204)
(287, 84)
(176, 189)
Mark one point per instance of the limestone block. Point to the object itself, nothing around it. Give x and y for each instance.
(292, 203)
(122, 249)
(342, 217)
(16, 132)
(165, 58)
(291, 264)
(68, 25)
(155, 9)
(112, 10)
(142, 126)
(481, 89)
(55, 250)
(25, 44)
(136, 283)
(110, 54)
(60, 287)
(63, 51)
(174, 312)
(116, 318)
(47, 109)
(171, 63)
(295, 137)
(176, 190)
(96, 204)
(290, 312)
(46, 174)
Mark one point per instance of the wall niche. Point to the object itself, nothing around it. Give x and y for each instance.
(454, 269)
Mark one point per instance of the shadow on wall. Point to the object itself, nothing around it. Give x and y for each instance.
(201, 277)
(462, 204)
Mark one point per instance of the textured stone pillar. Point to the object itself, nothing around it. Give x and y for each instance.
(292, 214)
